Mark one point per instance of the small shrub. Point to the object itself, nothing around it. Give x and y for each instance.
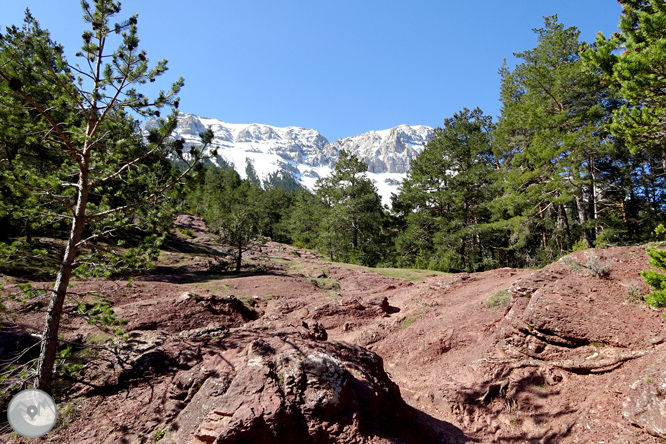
(634, 294)
(218, 264)
(573, 265)
(579, 246)
(64, 367)
(159, 434)
(498, 299)
(656, 280)
(598, 267)
(66, 414)
(249, 302)
(325, 283)
(189, 233)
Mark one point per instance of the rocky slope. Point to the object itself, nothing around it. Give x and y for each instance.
(305, 153)
(297, 349)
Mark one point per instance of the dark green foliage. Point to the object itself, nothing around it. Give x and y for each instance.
(283, 181)
(443, 202)
(549, 140)
(551, 175)
(251, 174)
(637, 72)
(350, 213)
(655, 279)
(240, 210)
(304, 220)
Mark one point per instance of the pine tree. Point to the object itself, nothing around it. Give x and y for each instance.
(232, 208)
(656, 280)
(97, 98)
(351, 213)
(443, 200)
(549, 140)
(637, 72)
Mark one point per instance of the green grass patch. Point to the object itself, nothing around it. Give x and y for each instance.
(333, 294)
(187, 232)
(66, 413)
(405, 274)
(498, 299)
(215, 287)
(98, 338)
(408, 274)
(325, 283)
(290, 265)
(248, 301)
(408, 321)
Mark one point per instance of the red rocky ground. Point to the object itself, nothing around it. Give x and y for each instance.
(297, 349)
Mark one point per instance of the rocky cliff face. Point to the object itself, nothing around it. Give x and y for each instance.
(306, 153)
(388, 151)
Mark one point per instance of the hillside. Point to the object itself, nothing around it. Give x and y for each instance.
(314, 351)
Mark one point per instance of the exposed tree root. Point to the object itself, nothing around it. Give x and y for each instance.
(594, 366)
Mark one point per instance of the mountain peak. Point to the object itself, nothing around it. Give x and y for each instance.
(304, 152)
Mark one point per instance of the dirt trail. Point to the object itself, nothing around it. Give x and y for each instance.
(570, 359)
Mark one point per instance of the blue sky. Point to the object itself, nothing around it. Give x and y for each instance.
(341, 67)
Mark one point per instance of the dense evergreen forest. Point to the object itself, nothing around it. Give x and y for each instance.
(576, 159)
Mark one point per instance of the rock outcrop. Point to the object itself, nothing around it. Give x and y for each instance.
(287, 389)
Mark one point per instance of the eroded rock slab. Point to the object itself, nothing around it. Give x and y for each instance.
(645, 404)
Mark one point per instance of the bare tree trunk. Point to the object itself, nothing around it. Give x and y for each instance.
(239, 257)
(582, 218)
(593, 189)
(544, 238)
(49, 346)
(563, 226)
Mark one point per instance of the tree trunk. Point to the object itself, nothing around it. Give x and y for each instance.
(582, 218)
(563, 225)
(593, 189)
(28, 232)
(239, 257)
(542, 229)
(49, 346)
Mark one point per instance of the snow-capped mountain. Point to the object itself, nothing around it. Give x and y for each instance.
(305, 153)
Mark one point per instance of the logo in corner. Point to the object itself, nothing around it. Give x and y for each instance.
(32, 413)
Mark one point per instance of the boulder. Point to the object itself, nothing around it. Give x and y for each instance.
(293, 390)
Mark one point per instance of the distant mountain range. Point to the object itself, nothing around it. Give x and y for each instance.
(305, 153)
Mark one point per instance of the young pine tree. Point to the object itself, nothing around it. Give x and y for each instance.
(82, 118)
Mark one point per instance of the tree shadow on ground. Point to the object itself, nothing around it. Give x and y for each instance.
(441, 432)
(524, 396)
(176, 275)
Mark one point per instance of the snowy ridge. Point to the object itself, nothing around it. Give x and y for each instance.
(305, 153)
